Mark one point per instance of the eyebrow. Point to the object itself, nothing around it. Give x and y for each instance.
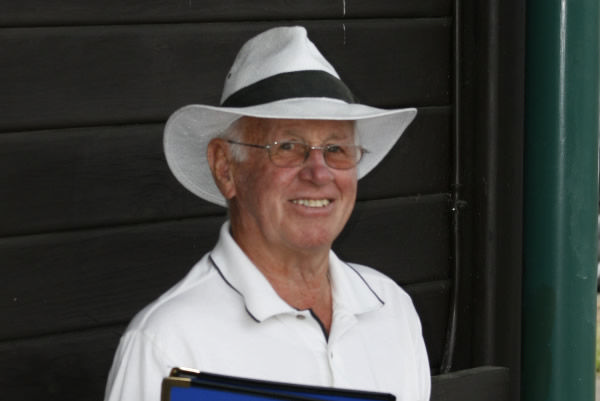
(335, 135)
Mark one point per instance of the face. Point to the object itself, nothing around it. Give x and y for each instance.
(292, 209)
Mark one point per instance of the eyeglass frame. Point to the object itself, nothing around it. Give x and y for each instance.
(307, 149)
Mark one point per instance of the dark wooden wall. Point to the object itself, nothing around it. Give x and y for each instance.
(93, 225)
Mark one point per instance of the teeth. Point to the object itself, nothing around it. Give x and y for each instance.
(312, 202)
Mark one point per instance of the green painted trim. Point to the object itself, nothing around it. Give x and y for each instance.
(561, 200)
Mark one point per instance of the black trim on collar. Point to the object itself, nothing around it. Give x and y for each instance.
(365, 281)
(314, 315)
(287, 85)
(232, 287)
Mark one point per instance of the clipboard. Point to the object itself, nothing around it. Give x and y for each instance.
(192, 385)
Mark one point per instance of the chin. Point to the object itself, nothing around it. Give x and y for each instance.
(314, 240)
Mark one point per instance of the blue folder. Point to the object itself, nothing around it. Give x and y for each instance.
(191, 385)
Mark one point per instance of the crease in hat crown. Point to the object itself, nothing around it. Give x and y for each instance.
(275, 51)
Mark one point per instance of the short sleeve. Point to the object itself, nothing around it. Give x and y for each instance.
(137, 371)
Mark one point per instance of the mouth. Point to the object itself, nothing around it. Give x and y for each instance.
(314, 203)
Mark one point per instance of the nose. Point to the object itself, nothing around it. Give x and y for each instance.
(315, 168)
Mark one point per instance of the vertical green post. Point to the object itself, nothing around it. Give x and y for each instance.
(561, 200)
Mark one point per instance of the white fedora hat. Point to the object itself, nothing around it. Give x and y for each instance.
(277, 74)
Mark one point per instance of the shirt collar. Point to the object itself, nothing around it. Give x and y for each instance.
(350, 290)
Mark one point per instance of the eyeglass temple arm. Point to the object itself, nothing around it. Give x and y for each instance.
(249, 144)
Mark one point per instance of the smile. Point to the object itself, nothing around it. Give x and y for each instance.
(312, 202)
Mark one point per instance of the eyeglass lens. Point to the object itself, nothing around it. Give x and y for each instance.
(290, 154)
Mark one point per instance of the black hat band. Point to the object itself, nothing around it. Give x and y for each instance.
(288, 85)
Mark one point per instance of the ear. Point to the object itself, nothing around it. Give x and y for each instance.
(220, 163)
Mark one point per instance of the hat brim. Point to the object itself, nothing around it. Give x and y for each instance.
(189, 130)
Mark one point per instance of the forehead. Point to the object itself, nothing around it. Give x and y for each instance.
(310, 130)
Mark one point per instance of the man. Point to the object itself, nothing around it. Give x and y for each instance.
(271, 301)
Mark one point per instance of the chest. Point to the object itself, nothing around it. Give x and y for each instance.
(293, 348)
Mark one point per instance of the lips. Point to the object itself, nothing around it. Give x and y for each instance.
(312, 202)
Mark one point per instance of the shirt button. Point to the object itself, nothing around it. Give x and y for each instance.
(300, 317)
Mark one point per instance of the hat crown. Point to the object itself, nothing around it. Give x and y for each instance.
(278, 50)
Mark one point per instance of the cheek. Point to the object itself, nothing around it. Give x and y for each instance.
(348, 186)
(256, 185)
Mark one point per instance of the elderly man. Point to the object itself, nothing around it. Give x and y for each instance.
(271, 301)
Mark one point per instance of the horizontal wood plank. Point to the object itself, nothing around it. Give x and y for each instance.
(99, 176)
(485, 383)
(64, 367)
(71, 281)
(89, 177)
(432, 301)
(75, 365)
(76, 280)
(407, 239)
(98, 75)
(71, 12)
(420, 163)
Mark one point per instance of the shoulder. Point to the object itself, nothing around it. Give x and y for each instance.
(394, 297)
(175, 303)
(377, 280)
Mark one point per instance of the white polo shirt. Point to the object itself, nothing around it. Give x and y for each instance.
(224, 317)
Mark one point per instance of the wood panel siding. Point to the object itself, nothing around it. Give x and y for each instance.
(79, 279)
(98, 12)
(66, 366)
(93, 224)
(99, 75)
(73, 365)
(63, 179)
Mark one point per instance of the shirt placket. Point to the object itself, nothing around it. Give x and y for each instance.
(308, 331)
(341, 325)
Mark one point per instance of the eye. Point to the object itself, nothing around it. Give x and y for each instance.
(288, 146)
(336, 149)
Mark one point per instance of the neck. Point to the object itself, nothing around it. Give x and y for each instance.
(305, 286)
(300, 278)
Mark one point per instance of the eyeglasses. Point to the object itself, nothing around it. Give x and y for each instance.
(294, 153)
